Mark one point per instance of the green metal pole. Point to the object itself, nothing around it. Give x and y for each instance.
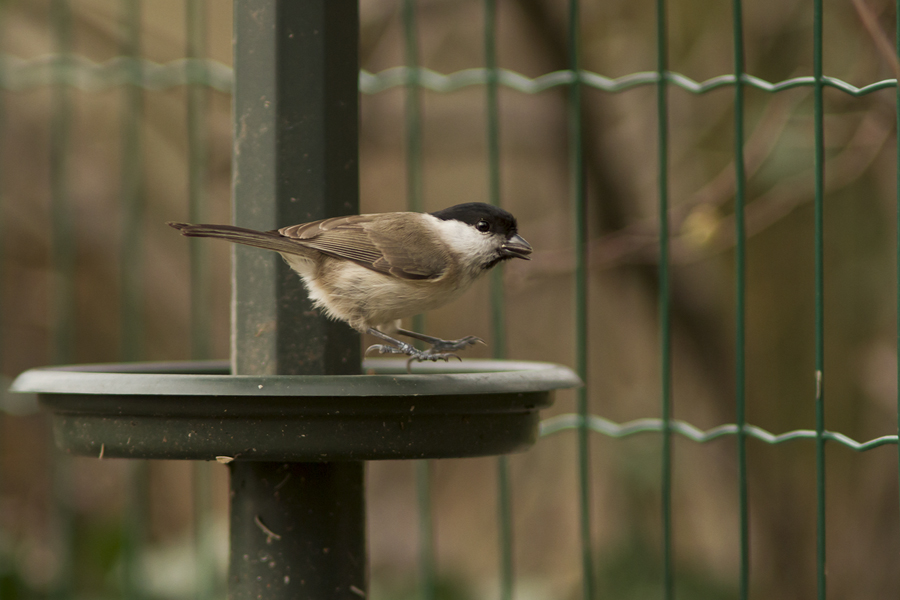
(297, 529)
(295, 160)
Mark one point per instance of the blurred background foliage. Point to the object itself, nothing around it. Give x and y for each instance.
(72, 525)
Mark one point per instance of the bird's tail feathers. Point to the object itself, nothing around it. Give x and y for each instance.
(268, 240)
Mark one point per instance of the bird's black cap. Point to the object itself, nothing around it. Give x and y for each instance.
(472, 212)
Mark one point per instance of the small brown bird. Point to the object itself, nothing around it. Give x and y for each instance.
(373, 270)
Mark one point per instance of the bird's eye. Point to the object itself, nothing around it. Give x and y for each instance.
(483, 226)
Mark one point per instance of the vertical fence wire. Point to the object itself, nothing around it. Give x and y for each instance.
(131, 294)
(197, 138)
(579, 209)
(897, 193)
(205, 573)
(740, 297)
(413, 115)
(62, 239)
(498, 317)
(197, 100)
(135, 522)
(132, 189)
(664, 302)
(63, 228)
(505, 529)
(498, 321)
(819, 164)
(415, 202)
(413, 110)
(427, 571)
(5, 554)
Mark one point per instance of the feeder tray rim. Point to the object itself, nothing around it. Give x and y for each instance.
(384, 377)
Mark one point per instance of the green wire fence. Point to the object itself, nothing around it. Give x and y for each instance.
(136, 76)
(90, 76)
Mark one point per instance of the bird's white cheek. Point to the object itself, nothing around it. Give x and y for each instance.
(471, 246)
(459, 236)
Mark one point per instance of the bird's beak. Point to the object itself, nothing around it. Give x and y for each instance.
(516, 247)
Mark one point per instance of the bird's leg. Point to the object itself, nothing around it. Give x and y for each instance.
(440, 349)
(439, 346)
(395, 346)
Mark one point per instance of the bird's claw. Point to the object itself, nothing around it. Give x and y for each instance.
(435, 356)
(388, 349)
(414, 354)
(432, 356)
(445, 346)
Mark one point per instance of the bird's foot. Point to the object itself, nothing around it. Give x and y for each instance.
(445, 346)
(440, 349)
(413, 353)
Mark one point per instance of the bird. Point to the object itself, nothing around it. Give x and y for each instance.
(373, 270)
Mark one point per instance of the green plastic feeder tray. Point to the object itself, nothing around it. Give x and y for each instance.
(197, 411)
(296, 445)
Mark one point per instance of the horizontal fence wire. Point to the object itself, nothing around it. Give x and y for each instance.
(610, 428)
(17, 74)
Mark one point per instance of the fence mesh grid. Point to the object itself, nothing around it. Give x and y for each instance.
(64, 70)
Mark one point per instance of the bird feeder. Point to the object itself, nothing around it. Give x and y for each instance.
(296, 412)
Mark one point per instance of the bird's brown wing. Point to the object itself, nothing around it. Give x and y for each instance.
(391, 243)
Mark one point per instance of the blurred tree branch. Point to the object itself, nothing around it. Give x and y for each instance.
(882, 43)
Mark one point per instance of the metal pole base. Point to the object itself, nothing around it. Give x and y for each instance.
(297, 531)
